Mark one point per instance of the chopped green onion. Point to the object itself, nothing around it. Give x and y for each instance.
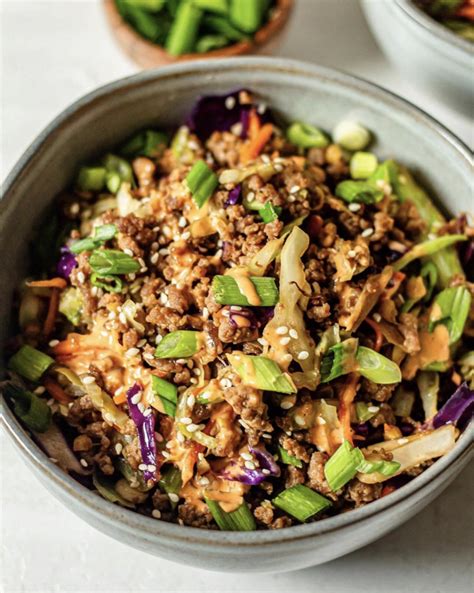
(101, 235)
(112, 261)
(363, 165)
(210, 42)
(402, 402)
(351, 135)
(30, 363)
(226, 291)
(106, 488)
(301, 502)
(178, 344)
(261, 373)
(31, 409)
(288, 459)
(184, 30)
(428, 386)
(306, 136)
(71, 304)
(180, 146)
(91, 178)
(269, 212)
(358, 191)
(221, 25)
(247, 14)
(167, 392)
(429, 273)
(109, 283)
(218, 6)
(149, 143)
(339, 360)
(377, 368)
(451, 308)
(202, 182)
(362, 411)
(118, 170)
(171, 482)
(386, 468)
(429, 247)
(341, 467)
(239, 520)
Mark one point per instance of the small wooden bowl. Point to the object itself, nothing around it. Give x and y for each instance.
(148, 55)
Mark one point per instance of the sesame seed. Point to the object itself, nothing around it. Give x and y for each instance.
(265, 435)
(237, 129)
(132, 276)
(285, 341)
(132, 352)
(367, 232)
(185, 236)
(158, 339)
(142, 467)
(320, 420)
(279, 168)
(197, 372)
(53, 343)
(156, 514)
(84, 463)
(230, 102)
(205, 313)
(354, 207)
(148, 356)
(261, 108)
(293, 334)
(265, 158)
(299, 420)
(39, 390)
(204, 481)
(165, 454)
(287, 357)
(236, 308)
(243, 423)
(192, 427)
(225, 383)
(135, 399)
(181, 361)
(351, 253)
(286, 404)
(147, 412)
(266, 472)
(180, 437)
(373, 409)
(112, 315)
(173, 497)
(303, 355)
(182, 222)
(123, 318)
(81, 278)
(262, 341)
(246, 456)
(402, 441)
(294, 189)
(151, 468)
(191, 401)
(154, 258)
(251, 196)
(128, 252)
(282, 330)
(74, 208)
(185, 420)
(377, 317)
(118, 448)
(249, 465)
(141, 343)
(88, 380)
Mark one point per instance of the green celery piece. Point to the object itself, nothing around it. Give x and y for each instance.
(301, 502)
(428, 248)
(362, 411)
(377, 368)
(261, 373)
(31, 409)
(184, 30)
(101, 235)
(202, 182)
(178, 344)
(107, 282)
(239, 520)
(226, 291)
(118, 165)
(429, 273)
(451, 308)
(71, 305)
(30, 363)
(288, 459)
(386, 468)
(269, 212)
(167, 392)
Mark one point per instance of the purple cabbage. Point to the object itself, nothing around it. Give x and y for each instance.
(237, 472)
(362, 429)
(406, 428)
(67, 262)
(458, 408)
(234, 196)
(146, 432)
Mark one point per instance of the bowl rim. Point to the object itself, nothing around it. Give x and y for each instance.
(131, 520)
(435, 28)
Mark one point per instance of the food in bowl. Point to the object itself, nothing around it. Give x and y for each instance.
(195, 26)
(250, 326)
(457, 15)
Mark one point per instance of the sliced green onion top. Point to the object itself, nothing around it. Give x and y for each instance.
(101, 235)
(451, 308)
(202, 182)
(363, 413)
(288, 459)
(363, 165)
(358, 191)
(219, 24)
(109, 283)
(116, 166)
(386, 468)
(149, 143)
(261, 373)
(210, 42)
(178, 344)
(377, 368)
(71, 304)
(167, 392)
(91, 178)
(429, 273)
(30, 363)
(31, 409)
(351, 135)
(226, 291)
(301, 502)
(112, 261)
(247, 14)
(427, 248)
(184, 29)
(171, 482)
(306, 136)
(339, 360)
(106, 488)
(269, 212)
(239, 520)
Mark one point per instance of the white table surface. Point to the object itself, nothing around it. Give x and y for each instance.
(53, 51)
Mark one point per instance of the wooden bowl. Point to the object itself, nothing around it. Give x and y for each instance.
(148, 55)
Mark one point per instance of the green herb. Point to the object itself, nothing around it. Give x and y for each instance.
(288, 459)
(451, 308)
(102, 234)
(358, 191)
(91, 178)
(269, 212)
(261, 373)
(71, 304)
(301, 502)
(150, 143)
(239, 520)
(167, 392)
(363, 413)
(377, 368)
(111, 261)
(202, 182)
(30, 363)
(171, 483)
(226, 291)
(184, 30)
(426, 248)
(178, 344)
(363, 165)
(306, 136)
(31, 409)
(109, 283)
(429, 273)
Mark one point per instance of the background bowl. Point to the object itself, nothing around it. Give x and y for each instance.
(423, 48)
(148, 55)
(162, 98)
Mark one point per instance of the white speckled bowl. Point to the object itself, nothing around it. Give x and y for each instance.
(162, 97)
(424, 49)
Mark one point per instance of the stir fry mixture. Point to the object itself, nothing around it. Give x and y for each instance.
(457, 15)
(249, 326)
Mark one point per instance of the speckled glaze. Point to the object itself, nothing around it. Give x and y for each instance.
(424, 49)
(296, 90)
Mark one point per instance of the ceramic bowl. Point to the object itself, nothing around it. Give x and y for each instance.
(162, 98)
(424, 49)
(149, 55)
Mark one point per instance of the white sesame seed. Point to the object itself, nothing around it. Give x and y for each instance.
(74, 208)
(377, 317)
(205, 313)
(294, 189)
(156, 514)
(320, 420)
(191, 401)
(123, 318)
(282, 330)
(148, 356)
(265, 435)
(249, 465)
(39, 390)
(251, 196)
(151, 468)
(303, 355)
(299, 420)
(84, 463)
(293, 334)
(128, 252)
(203, 481)
(261, 108)
(135, 399)
(279, 168)
(367, 232)
(53, 343)
(182, 222)
(88, 380)
(373, 409)
(230, 102)
(285, 341)
(143, 467)
(173, 497)
(287, 357)
(185, 420)
(237, 129)
(165, 454)
(402, 441)
(236, 308)
(243, 423)
(265, 158)
(185, 236)
(286, 404)
(180, 437)
(158, 339)
(181, 361)
(197, 372)
(118, 448)
(354, 207)
(351, 253)
(262, 341)
(81, 278)
(266, 472)
(147, 412)
(225, 383)
(132, 352)
(192, 427)
(154, 258)
(246, 456)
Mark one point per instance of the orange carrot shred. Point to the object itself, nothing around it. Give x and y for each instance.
(56, 391)
(52, 283)
(52, 312)
(378, 334)
(120, 398)
(346, 398)
(254, 125)
(388, 489)
(254, 146)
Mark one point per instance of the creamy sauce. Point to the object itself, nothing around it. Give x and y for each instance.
(245, 285)
(229, 494)
(434, 347)
(245, 367)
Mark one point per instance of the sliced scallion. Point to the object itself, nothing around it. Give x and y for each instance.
(376, 367)
(222, 26)
(226, 291)
(306, 136)
(210, 42)
(184, 30)
(239, 520)
(358, 191)
(451, 308)
(116, 166)
(429, 273)
(386, 468)
(288, 459)
(30, 363)
(171, 482)
(269, 212)
(91, 178)
(149, 143)
(202, 182)
(112, 261)
(261, 373)
(351, 135)
(101, 235)
(167, 392)
(178, 344)
(341, 467)
(429, 247)
(363, 165)
(301, 502)
(246, 14)
(109, 283)
(339, 360)
(31, 409)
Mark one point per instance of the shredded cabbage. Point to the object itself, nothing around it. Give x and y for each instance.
(428, 385)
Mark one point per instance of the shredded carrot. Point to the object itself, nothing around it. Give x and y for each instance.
(52, 283)
(393, 285)
(456, 378)
(388, 489)
(378, 334)
(56, 391)
(346, 398)
(258, 136)
(120, 398)
(254, 125)
(52, 312)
